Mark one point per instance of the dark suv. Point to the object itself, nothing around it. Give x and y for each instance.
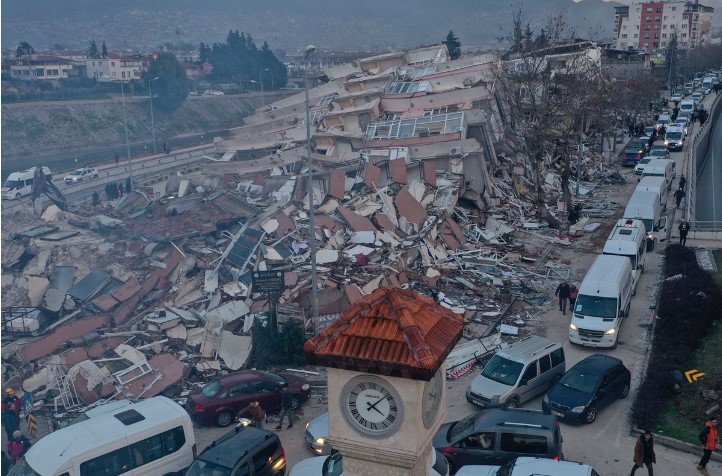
(586, 388)
(246, 451)
(633, 152)
(495, 436)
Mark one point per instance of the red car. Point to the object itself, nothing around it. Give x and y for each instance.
(219, 401)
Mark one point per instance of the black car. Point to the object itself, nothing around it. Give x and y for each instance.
(495, 436)
(245, 451)
(586, 388)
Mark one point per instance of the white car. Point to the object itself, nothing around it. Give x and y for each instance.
(639, 168)
(333, 466)
(524, 466)
(676, 97)
(81, 174)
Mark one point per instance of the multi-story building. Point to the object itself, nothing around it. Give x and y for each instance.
(40, 67)
(116, 67)
(651, 25)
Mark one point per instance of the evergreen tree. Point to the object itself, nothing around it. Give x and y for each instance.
(172, 86)
(24, 49)
(204, 53)
(453, 44)
(104, 50)
(93, 50)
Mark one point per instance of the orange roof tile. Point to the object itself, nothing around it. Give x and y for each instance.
(391, 332)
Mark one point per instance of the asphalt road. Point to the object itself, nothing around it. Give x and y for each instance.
(709, 183)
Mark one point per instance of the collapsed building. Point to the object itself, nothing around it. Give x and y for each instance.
(413, 187)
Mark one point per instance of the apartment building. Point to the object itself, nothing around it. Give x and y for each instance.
(116, 67)
(650, 26)
(40, 67)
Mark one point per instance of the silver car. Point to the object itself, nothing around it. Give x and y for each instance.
(317, 435)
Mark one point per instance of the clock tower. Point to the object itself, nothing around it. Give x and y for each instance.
(386, 381)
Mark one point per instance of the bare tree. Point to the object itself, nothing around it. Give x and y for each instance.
(549, 84)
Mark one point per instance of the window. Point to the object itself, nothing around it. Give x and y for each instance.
(40, 72)
(147, 450)
(647, 28)
(649, 10)
(684, 35)
(646, 37)
(523, 443)
(173, 440)
(264, 458)
(624, 35)
(658, 19)
(557, 357)
(656, 36)
(110, 464)
(244, 470)
(656, 27)
(545, 364)
(530, 372)
(636, 35)
(326, 100)
(245, 388)
(665, 18)
(112, 63)
(674, 8)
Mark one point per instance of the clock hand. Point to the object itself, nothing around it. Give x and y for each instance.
(373, 406)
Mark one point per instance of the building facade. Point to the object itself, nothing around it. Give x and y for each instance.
(650, 26)
(116, 68)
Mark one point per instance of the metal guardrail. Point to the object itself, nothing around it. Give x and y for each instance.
(705, 225)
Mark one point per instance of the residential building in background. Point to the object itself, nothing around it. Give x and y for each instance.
(116, 67)
(651, 25)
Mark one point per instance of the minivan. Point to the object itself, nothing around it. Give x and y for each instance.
(643, 205)
(518, 373)
(19, 184)
(526, 466)
(153, 437)
(498, 435)
(686, 106)
(628, 238)
(674, 137)
(666, 168)
(654, 184)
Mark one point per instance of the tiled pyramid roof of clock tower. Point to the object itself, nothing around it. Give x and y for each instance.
(391, 332)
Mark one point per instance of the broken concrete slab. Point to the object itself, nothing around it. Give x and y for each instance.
(235, 350)
(326, 256)
(37, 287)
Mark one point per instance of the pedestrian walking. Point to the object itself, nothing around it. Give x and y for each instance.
(17, 446)
(120, 189)
(563, 293)
(679, 195)
(128, 185)
(573, 293)
(117, 158)
(258, 414)
(644, 453)
(682, 181)
(96, 198)
(683, 230)
(709, 439)
(286, 407)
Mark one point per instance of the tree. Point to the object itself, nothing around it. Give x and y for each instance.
(172, 86)
(93, 50)
(24, 49)
(453, 44)
(104, 50)
(550, 89)
(204, 53)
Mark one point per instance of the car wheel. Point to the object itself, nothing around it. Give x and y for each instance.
(590, 416)
(512, 403)
(625, 391)
(295, 402)
(224, 418)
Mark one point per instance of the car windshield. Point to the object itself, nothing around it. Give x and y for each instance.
(206, 468)
(76, 172)
(507, 469)
(579, 380)
(276, 378)
(212, 389)
(662, 120)
(659, 148)
(502, 370)
(462, 428)
(12, 184)
(645, 160)
(23, 469)
(635, 143)
(674, 135)
(595, 306)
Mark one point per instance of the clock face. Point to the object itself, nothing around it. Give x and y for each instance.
(433, 390)
(372, 406)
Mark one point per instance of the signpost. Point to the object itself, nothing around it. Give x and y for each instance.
(272, 283)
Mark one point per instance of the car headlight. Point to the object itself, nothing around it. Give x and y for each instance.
(495, 399)
(308, 424)
(610, 331)
(545, 399)
(573, 327)
(305, 387)
(579, 409)
(320, 441)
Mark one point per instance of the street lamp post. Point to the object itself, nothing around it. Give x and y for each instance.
(125, 125)
(152, 119)
(260, 78)
(311, 214)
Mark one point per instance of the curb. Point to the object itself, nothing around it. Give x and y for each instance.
(681, 445)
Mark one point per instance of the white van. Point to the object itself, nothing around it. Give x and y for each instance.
(645, 206)
(153, 437)
(686, 106)
(674, 137)
(657, 185)
(19, 184)
(629, 238)
(603, 302)
(663, 120)
(666, 168)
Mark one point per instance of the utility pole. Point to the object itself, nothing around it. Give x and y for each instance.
(311, 213)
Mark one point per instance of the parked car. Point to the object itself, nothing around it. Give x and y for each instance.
(659, 151)
(85, 173)
(497, 435)
(317, 435)
(631, 156)
(530, 467)
(333, 466)
(639, 168)
(676, 97)
(218, 401)
(697, 97)
(244, 451)
(586, 388)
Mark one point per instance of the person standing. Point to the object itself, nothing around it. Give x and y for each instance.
(10, 412)
(682, 181)
(121, 192)
(644, 453)
(563, 293)
(96, 198)
(708, 437)
(573, 293)
(679, 195)
(258, 415)
(683, 230)
(117, 158)
(17, 446)
(286, 407)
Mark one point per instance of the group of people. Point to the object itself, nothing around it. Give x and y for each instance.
(644, 448)
(17, 443)
(566, 292)
(258, 414)
(114, 190)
